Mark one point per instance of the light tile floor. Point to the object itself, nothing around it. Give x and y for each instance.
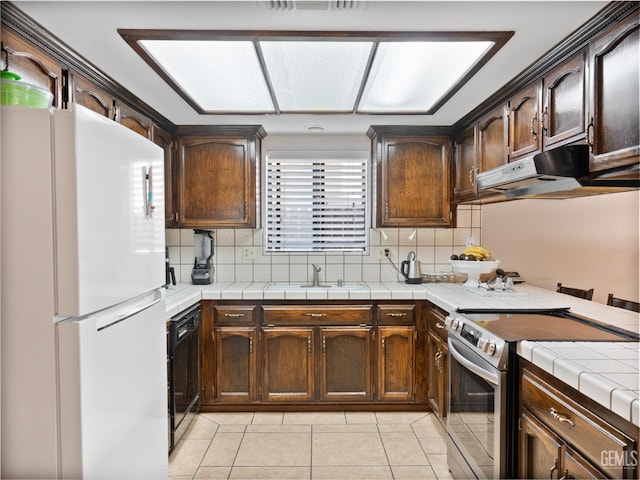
(311, 446)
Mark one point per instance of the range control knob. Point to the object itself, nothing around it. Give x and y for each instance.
(453, 323)
(487, 346)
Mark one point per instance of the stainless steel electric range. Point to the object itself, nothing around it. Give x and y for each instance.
(483, 384)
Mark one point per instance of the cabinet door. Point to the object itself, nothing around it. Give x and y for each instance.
(465, 163)
(614, 114)
(163, 139)
(235, 364)
(216, 183)
(134, 120)
(88, 95)
(541, 451)
(33, 66)
(346, 363)
(415, 182)
(524, 122)
(576, 466)
(396, 347)
(437, 351)
(563, 117)
(287, 358)
(493, 139)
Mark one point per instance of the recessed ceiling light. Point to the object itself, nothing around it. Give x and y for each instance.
(316, 128)
(263, 72)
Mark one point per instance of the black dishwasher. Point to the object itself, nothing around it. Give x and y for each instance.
(184, 371)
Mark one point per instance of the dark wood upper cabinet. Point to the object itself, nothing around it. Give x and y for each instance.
(524, 121)
(87, 94)
(614, 123)
(133, 120)
(33, 65)
(163, 140)
(493, 135)
(564, 97)
(465, 163)
(217, 174)
(413, 179)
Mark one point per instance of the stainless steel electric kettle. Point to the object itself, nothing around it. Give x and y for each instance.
(410, 269)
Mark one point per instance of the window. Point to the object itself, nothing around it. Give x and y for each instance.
(316, 201)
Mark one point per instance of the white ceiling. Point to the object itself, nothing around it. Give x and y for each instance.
(90, 28)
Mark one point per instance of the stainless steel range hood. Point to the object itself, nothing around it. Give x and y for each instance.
(559, 173)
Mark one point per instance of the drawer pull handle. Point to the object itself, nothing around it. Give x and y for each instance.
(234, 315)
(561, 418)
(391, 314)
(316, 314)
(440, 325)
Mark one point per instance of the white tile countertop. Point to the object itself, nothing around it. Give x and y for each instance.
(612, 383)
(607, 372)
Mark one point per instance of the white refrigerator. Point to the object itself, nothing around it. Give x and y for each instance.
(83, 336)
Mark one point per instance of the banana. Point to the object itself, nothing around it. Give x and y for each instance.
(478, 251)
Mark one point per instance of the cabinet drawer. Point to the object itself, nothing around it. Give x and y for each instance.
(235, 314)
(436, 321)
(579, 427)
(316, 314)
(396, 314)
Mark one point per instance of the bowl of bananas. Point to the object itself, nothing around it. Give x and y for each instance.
(474, 261)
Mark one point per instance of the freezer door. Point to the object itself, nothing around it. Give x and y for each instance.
(113, 393)
(109, 241)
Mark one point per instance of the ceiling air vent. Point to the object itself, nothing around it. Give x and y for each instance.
(314, 4)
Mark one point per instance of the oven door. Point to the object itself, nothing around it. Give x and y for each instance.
(476, 422)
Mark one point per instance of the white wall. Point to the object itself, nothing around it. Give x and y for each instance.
(587, 242)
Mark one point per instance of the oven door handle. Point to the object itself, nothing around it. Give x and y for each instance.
(490, 377)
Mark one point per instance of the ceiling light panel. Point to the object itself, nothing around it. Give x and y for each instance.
(218, 76)
(411, 77)
(318, 76)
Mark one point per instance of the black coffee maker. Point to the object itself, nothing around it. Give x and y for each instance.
(202, 273)
(170, 273)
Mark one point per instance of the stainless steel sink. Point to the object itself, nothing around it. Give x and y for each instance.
(274, 286)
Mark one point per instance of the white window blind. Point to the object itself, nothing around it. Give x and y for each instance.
(316, 201)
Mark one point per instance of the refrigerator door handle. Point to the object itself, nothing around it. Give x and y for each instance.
(147, 191)
(121, 317)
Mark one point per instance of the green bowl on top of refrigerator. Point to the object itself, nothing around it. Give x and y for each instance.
(15, 92)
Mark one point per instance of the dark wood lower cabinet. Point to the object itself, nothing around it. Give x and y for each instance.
(236, 364)
(347, 363)
(261, 354)
(287, 370)
(396, 362)
(564, 434)
(438, 369)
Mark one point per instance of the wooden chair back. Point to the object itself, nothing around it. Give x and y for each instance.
(621, 303)
(576, 292)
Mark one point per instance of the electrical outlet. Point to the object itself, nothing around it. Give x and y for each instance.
(249, 253)
(470, 242)
(381, 254)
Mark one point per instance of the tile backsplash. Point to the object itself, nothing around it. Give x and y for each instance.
(433, 247)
